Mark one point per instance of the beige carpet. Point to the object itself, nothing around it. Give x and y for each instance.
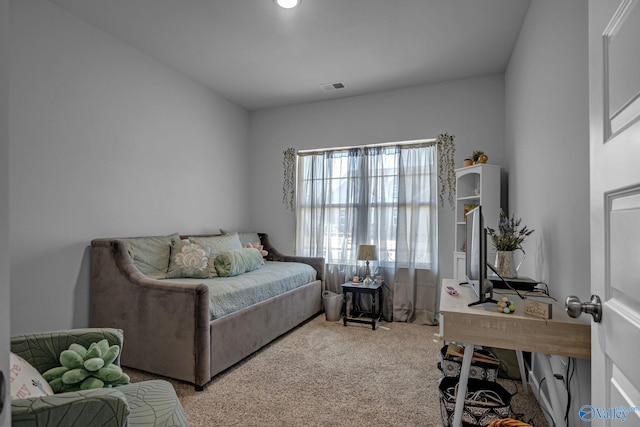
(323, 374)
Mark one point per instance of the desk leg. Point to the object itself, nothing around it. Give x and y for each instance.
(523, 375)
(558, 413)
(462, 384)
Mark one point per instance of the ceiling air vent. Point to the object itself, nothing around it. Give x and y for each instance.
(328, 87)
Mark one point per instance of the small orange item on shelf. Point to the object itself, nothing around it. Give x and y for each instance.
(509, 422)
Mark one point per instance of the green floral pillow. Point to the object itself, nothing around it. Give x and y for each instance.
(188, 260)
(237, 261)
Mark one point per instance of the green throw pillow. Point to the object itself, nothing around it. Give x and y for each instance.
(151, 254)
(245, 236)
(217, 245)
(237, 261)
(188, 260)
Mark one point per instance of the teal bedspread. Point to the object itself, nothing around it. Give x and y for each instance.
(230, 294)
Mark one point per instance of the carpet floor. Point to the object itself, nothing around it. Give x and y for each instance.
(324, 374)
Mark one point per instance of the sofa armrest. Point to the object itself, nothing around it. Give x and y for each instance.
(102, 406)
(152, 313)
(274, 255)
(42, 350)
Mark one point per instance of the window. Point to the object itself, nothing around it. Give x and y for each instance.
(383, 195)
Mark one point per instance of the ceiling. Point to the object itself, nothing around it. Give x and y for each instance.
(260, 56)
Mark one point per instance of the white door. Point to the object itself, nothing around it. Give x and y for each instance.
(614, 80)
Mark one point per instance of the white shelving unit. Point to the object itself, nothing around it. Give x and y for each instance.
(476, 185)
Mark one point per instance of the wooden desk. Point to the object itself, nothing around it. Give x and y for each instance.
(484, 325)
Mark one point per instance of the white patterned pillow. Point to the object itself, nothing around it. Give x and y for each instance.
(25, 380)
(217, 245)
(188, 260)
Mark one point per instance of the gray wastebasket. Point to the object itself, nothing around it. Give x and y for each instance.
(332, 303)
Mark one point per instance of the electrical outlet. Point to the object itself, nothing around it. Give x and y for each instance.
(564, 362)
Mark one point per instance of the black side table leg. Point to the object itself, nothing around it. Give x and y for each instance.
(345, 306)
(373, 311)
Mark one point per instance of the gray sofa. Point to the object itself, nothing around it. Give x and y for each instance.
(169, 324)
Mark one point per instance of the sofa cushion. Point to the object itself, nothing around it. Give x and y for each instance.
(25, 380)
(237, 261)
(153, 403)
(188, 260)
(230, 294)
(151, 254)
(245, 236)
(217, 245)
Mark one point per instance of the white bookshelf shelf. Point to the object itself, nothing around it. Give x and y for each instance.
(476, 185)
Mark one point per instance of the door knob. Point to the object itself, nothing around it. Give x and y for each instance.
(574, 307)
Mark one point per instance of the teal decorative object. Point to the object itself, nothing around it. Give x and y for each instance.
(86, 368)
(505, 306)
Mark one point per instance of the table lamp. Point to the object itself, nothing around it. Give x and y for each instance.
(367, 253)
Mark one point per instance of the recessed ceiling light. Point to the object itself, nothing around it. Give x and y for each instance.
(288, 4)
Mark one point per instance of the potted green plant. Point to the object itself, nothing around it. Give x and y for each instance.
(508, 239)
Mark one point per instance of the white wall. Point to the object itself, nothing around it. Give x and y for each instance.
(547, 134)
(472, 110)
(5, 305)
(105, 141)
(547, 125)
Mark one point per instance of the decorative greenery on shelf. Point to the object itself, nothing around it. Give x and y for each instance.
(289, 181)
(446, 168)
(510, 235)
(475, 156)
(478, 157)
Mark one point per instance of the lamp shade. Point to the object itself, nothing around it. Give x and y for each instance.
(367, 253)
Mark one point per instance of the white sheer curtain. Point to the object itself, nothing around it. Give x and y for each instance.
(380, 195)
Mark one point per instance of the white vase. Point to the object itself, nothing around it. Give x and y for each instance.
(505, 264)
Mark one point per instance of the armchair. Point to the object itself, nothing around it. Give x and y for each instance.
(148, 403)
